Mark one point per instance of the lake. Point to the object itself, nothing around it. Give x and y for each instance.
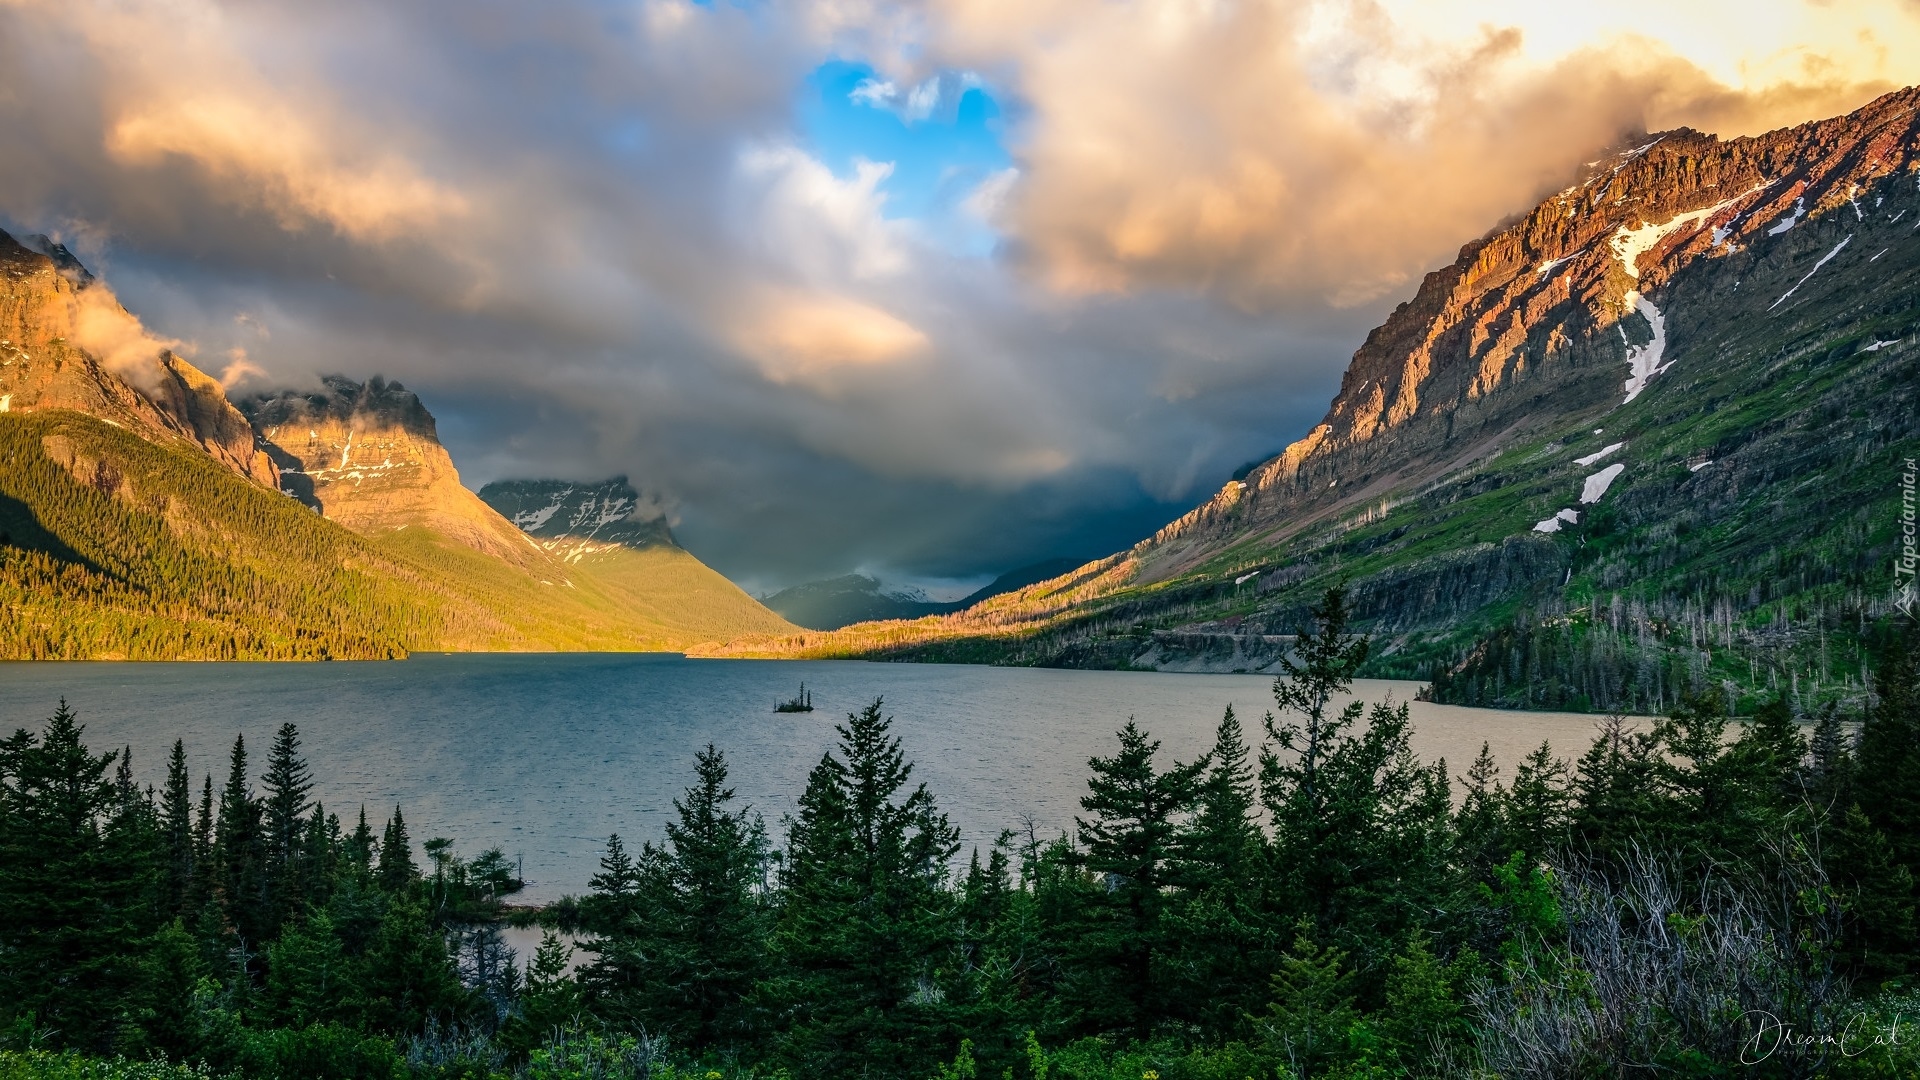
(545, 755)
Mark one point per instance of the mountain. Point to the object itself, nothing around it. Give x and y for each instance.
(607, 536)
(63, 345)
(854, 598)
(577, 520)
(368, 456)
(143, 515)
(1643, 439)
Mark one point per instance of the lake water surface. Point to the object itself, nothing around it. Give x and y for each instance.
(544, 755)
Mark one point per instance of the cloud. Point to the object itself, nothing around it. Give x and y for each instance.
(101, 326)
(596, 240)
(239, 369)
(267, 155)
(1284, 156)
(806, 337)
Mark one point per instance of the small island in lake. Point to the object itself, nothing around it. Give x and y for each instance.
(801, 702)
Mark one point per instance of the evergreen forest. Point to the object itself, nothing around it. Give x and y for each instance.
(1691, 897)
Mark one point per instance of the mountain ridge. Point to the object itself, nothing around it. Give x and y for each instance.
(1484, 407)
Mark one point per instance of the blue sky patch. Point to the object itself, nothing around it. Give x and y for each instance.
(944, 137)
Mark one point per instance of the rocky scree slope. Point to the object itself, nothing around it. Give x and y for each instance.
(1643, 439)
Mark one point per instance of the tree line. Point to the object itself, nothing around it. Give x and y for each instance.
(1306, 899)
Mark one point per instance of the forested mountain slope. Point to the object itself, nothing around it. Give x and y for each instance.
(1646, 437)
(140, 518)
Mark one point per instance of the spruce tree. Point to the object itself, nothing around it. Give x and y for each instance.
(396, 872)
(285, 788)
(361, 847)
(1132, 844)
(691, 958)
(69, 969)
(238, 853)
(865, 916)
(206, 873)
(1312, 1013)
(1362, 832)
(176, 826)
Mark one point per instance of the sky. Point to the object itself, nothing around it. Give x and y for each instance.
(929, 290)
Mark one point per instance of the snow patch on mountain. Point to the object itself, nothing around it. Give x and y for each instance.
(1645, 361)
(1810, 273)
(1597, 454)
(1792, 219)
(1552, 524)
(1597, 484)
(1629, 244)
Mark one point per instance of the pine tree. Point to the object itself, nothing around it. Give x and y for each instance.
(865, 916)
(698, 947)
(285, 788)
(238, 852)
(68, 969)
(397, 871)
(1132, 843)
(176, 825)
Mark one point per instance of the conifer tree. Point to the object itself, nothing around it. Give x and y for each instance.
(687, 961)
(1361, 830)
(1133, 845)
(396, 871)
(176, 825)
(1616, 789)
(206, 872)
(409, 977)
(238, 851)
(361, 846)
(614, 902)
(285, 788)
(1312, 1013)
(1539, 805)
(68, 903)
(865, 916)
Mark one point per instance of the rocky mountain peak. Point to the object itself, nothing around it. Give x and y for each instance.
(577, 519)
(368, 455)
(1566, 302)
(55, 354)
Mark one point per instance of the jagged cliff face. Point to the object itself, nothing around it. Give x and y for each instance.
(1563, 311)
(367, 455)
(47, 308)
(574, 521)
